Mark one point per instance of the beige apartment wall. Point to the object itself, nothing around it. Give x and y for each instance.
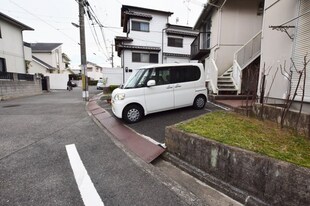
(239, 22)
(277, 47)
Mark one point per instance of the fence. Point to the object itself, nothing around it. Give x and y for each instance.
(14, 85)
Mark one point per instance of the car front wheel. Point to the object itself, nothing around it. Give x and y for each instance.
(132, 113)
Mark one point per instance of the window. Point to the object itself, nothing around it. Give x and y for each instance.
(2, 65)
(175, 42)
(144, 57)
(140, 26)
(0, 33)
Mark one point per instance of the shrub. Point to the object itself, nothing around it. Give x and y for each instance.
(112, 87)
(92, 82)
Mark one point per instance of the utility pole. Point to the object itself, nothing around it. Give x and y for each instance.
(112, 56)
(83, 51)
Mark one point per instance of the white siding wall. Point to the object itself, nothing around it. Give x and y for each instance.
(28, 53)
(58, 81)
(114, 76)
(11, 48)
(238, 23)
(50, 58)
(94, 75)
(186, 49)
(277, 46)
(37, 68)
(176, 59)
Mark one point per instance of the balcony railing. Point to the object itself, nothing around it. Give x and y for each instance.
(200, 46)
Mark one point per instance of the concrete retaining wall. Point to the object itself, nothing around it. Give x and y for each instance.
(15, 88)
(248, 177)
(274, 112)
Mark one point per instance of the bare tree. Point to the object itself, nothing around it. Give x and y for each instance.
(301, 73)
(303, 89)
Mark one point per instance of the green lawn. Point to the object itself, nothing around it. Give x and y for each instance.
(263, 137)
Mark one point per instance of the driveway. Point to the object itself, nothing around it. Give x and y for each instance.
(39, 137)
(154, 125)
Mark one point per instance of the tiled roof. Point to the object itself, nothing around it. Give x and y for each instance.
(176, 55)
(119, 48)
(44, 47)
(134, 47)
(182, 33)
(136, 14)
(123, 38)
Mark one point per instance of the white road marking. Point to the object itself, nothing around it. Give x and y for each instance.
(87, 189)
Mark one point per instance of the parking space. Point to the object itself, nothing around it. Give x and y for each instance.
(154, 125)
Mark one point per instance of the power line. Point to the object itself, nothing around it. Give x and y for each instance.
(44, 21)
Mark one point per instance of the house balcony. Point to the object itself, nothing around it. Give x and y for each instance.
(200, 46)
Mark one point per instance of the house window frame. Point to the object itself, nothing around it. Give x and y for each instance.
(171, 42)
(140, 22)
(144, 57)
(3, 63)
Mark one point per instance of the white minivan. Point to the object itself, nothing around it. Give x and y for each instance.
(158, 88)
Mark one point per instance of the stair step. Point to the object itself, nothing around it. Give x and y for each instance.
(224, 78)
(224, 82)
(230, 89)
(226, 87)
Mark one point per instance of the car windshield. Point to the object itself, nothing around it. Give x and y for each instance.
(137, 79)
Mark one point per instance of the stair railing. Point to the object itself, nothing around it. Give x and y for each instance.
(244, 56)
(237, 76)
(249, 51)
(212, 74)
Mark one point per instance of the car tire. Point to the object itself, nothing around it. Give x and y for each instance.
(199, 102)
(132, 113)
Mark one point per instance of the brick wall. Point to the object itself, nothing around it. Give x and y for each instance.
(19, 88)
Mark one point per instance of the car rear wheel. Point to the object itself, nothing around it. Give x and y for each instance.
(132, 113)
(199, 102)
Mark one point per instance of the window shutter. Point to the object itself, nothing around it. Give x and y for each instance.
(302, 48)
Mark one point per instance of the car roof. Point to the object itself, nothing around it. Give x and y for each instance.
(170, 65)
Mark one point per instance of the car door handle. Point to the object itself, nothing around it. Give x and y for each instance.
(177, 86)
(169, 87)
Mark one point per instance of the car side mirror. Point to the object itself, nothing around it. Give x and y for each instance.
(151, 83)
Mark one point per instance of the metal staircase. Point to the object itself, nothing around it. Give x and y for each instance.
(225, 83)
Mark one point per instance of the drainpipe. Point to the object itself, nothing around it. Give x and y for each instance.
(162, 45)
(219, 25)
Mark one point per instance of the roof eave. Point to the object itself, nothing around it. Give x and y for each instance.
(15, 22)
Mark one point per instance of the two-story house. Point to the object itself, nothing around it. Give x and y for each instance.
(47, 58)
(94, 72)
(150, 39)
(12, 49)
(229, 44)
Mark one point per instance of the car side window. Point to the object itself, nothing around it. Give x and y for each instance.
(185, 74)
(163, 76)
(143, 80)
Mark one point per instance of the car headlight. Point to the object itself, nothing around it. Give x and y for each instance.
(119, 97)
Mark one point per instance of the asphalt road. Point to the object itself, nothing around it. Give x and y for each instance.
(154, 125)
(34, 164)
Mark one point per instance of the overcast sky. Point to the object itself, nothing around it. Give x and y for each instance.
(52, 19)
